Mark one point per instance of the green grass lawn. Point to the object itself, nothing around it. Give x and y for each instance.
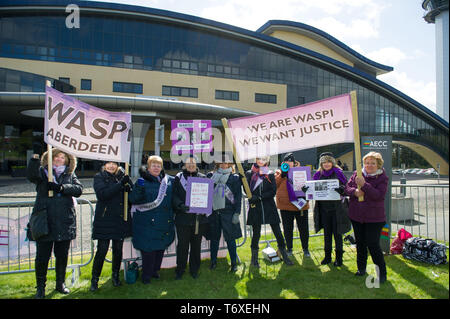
(306, 279)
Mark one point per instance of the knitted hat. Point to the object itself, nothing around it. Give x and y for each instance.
(289, 157)
(327, 157)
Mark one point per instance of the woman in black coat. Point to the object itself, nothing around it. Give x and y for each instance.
(190, 227)
(263, 209)
(109, 224)
(227, 201)
(61, 214)
(331, 215)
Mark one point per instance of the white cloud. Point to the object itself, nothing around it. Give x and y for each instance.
(421, 91)
(388, 56)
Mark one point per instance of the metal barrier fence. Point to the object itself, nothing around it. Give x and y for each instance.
(17, 253)
(423, 210)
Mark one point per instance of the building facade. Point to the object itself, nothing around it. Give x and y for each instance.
(162, 65)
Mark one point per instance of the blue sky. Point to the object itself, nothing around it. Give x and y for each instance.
(389, 32)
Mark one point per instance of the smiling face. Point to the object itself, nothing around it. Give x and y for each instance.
(327, 165)
(260, 162)
(370, 165)
(155, 169)
(59, 159)
(191, 165)
(111, 167)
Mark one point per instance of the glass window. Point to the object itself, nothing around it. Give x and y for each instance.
(227, 95)
(86, 84)
(265, 98)
(125, 87)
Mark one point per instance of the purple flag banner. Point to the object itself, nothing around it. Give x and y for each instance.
(191, 136)
(84, 130)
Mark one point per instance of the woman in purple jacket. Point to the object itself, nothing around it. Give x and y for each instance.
(368, 216)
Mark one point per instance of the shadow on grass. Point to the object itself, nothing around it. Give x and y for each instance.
(405, 269)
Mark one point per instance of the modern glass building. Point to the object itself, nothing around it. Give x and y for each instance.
(166, 65)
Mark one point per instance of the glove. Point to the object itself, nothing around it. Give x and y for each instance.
(340, 190)
(305, 188)
(126, 180)
(254, 199)
(235, 219)
(57, 188)
(127, 188)
(140, 181)
(184, 208)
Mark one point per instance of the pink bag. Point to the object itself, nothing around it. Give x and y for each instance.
(397, 244)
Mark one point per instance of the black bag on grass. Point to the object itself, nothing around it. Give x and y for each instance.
(424, 250)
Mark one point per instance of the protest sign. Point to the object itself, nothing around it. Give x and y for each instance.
(84, 130)
(322, 189)
(199, 194)
(299, 176)
(328, 121)
(191, 136)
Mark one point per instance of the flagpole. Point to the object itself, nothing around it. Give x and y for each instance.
(357, 138)
(236, 158)
(125, 195)
(49, 155)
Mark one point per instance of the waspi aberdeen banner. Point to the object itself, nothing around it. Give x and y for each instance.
(315, 124)
(84, 130)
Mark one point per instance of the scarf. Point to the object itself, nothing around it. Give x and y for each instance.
(257, 177)
(220, 178)
(157, 201)
(378, 172)
(59, 169)
(339, 175)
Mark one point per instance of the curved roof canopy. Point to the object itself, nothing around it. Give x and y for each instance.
(362, 71)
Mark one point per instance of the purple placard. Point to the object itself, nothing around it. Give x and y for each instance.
(191, 136)
(300, 173)
(199, 195)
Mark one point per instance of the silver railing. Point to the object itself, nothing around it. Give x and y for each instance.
(17, 253)
(423, 210)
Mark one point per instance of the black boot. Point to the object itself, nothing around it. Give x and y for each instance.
(282, 253)
(254, 261)
(96, 271)
(338, 261)
(116, 260)
(41, 278)
(60, 269)
(327, 258)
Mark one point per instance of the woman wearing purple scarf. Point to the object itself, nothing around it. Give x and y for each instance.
(332, 216)
(262, 208)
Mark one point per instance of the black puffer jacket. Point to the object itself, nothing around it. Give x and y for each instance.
(108, 221)
(61, 213)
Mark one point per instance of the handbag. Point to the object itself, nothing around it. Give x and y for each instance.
(132, 273)
(38, 224)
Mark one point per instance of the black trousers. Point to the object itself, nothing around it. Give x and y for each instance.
(367, 237)
(276, 230)
(151, 263)
(44, 250)
(43, 254)
(287, 218)
(102, 250)
(329, 222)
(189, 244)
